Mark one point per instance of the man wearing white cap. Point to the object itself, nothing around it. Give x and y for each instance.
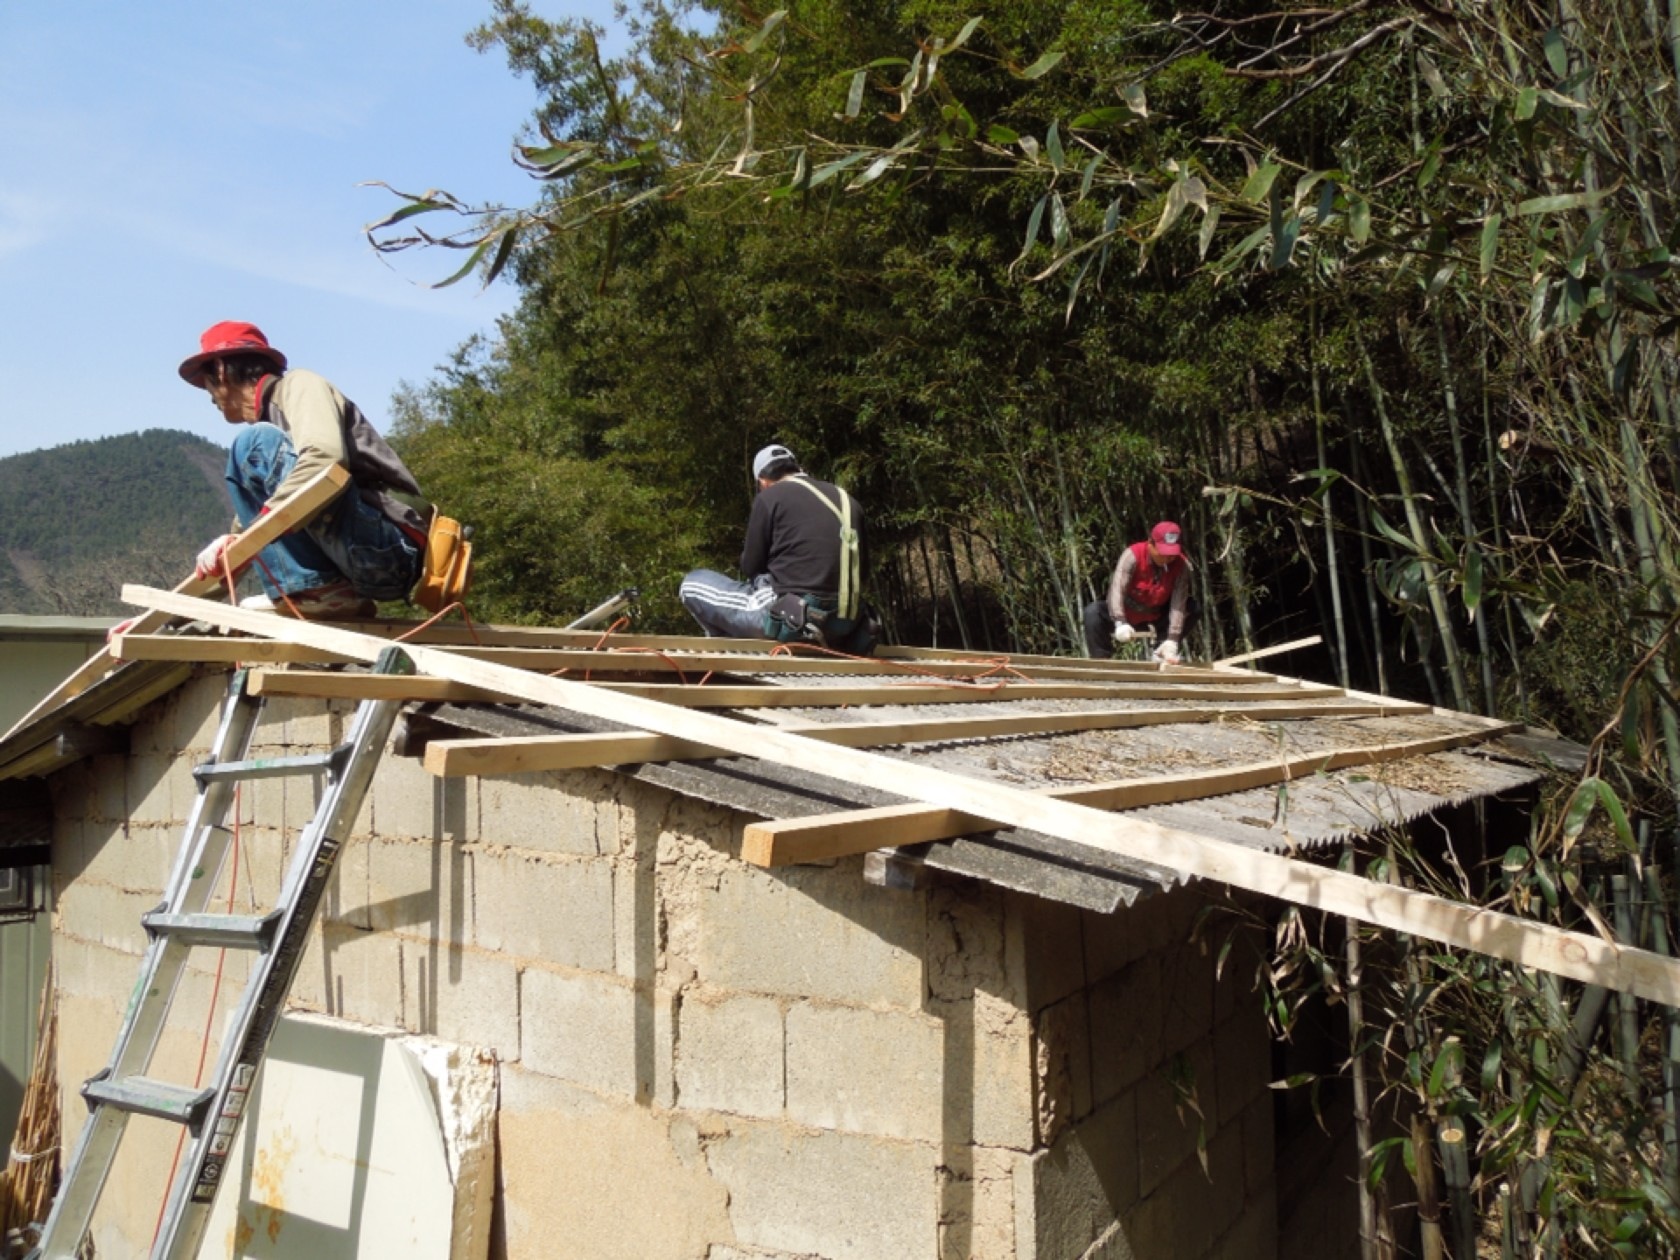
(1148, 581)
(801, 565)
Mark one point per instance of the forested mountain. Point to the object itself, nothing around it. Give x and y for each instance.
(77, 521)
(1376, 299)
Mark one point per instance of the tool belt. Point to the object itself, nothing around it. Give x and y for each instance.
(816, 619)
(445, 563)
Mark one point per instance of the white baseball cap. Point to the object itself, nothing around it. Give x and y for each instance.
(769, 455)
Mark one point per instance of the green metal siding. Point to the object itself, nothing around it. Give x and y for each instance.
(25, 946)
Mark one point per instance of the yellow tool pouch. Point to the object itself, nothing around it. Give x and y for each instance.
(445, 564)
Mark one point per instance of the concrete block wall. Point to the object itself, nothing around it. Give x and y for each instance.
(702, 1060)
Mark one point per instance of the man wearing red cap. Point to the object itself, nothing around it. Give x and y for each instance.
(363, 546)
(1148, 581)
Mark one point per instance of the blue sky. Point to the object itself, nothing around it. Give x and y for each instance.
(165, 165)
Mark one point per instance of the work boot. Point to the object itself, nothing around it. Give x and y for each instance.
(336, 601)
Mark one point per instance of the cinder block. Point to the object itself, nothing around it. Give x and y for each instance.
(818, 933)
(586, 1176)
(1111, 942)
(729, 1054)
(594, 1031)
(408, 802)
(1126, 1028)
(1186, 1212)
(1177, 1107)
(1045, 943)
(1061, 1066)
(1242, 1052)
(834, 1195)
(636, 925)
(555, 910)
(422, 888)
(1254, 1236)
(977, 1204)
(876, 1072)
(1067, 1196)
(137, 858)
(151, 781)
(110, 777)
(1002, 1075)
(1186, 996)
(104, 915)
(297, 724)
(968, 945)
(1259, 1148)
(196, 714)
(575, 812)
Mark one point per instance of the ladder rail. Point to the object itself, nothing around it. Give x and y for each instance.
(96, 1148)
(277, 939)
(245, 1043)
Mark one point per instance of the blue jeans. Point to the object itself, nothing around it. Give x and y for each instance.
(725, 606)
(349, 538)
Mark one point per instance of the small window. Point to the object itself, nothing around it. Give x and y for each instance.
(18, 886)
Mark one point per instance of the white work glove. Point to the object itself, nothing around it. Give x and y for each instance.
(209, 563)
(1167, 653)
(1123, 632)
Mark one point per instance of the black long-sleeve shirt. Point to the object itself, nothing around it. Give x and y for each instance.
(795, 539)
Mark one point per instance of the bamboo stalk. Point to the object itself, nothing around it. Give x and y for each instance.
(30, 1176)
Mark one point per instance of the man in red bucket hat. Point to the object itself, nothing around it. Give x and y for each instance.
(363, 546)
(1148, 581)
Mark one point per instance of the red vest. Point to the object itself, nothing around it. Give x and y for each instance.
(1150, 590)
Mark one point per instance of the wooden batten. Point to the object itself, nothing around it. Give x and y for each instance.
(1577, 955)
(451, 758)
(827, 836)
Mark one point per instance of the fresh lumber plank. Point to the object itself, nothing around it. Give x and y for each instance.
(1576, 955)
(1311, 640)
(450, 758)
(215, 649)
(844, 833)
(310, 498)
(335, 685)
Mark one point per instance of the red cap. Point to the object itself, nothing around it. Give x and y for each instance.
(231, 336)
(1165, 539)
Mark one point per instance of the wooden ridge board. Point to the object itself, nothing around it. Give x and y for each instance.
(1577, 955)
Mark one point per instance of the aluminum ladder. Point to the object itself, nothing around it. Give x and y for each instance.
(182, 921)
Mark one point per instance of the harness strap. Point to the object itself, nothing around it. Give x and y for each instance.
(851, 578)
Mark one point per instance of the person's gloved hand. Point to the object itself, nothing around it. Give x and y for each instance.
(209, 562)
(1167, 653)
(1123, 632)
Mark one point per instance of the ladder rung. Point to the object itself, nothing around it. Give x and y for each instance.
(147, 1097)
(230, 931)
(270, 767)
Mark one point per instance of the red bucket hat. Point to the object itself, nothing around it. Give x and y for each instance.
(231, 336)
(1165, 539)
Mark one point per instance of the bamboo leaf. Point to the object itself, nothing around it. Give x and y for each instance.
(1089, 175)
(1561, 201)
(969, 27)
(1528, 100)
(854, 94)
(1043, 66)
(1490, 243)
(1000, 135)
(1490, 1067)
(1359, 219)
(1617, 815)
(1101, 117)
(1034, 220)
(1136, 100)
(1580, 808)
(1393, 535)
(1472, 579)
(1259, 184)
(828, 170)
(504, 251)
(1053, 147)
(1170, 212)
(764, 31)
(1059, 231)
(1557, 54)
(466, 267)
(1210, 223)
(1432, 76)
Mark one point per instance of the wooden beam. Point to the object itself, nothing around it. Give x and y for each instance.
(213, 649)
(451, 758)
(1274, 650)
(846, 832)
(1577, 955)
(332, 684)
(310, 498)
